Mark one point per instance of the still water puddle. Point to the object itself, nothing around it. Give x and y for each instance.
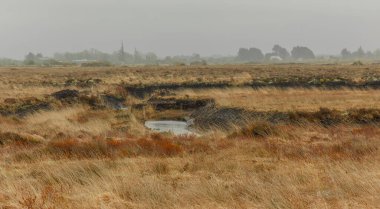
(176, 127)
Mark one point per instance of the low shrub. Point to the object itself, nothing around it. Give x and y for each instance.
(258, 129)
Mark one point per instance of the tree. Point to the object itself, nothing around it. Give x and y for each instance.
(359, 53)
(256, 54)
(30, 59)
(243, 54)
(252, 54)
(30, 56)
(281, 52)
(346, 54)
(301, 52)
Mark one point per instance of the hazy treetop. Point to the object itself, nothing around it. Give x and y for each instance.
(170, 27)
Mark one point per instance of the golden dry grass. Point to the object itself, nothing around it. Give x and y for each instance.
(83, 157)
(303, 167)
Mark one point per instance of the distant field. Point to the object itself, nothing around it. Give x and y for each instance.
(24, 82)
(234, 74)
(269, 136)
(275, 99)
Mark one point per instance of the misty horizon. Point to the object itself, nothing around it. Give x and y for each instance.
(161, 56)
(170, 28)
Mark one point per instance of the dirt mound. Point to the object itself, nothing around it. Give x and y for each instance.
(27, 109)
(66, 94)
(23, 107)
(113, 102)
(69, 96)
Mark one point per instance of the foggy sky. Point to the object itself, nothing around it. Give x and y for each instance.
(173, 27)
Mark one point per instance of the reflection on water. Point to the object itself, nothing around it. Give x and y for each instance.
(176, 127)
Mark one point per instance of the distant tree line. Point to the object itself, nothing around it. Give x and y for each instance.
(9, 62)
(278, 54)
(360, 54)
(300, 53)
(244, 55)
(121, 57)
(39, 59)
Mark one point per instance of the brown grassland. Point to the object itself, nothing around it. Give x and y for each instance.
(89, 148)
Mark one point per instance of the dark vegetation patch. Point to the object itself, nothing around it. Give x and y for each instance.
(27, 109)
(59, 99)
(114, 102)
(142, 91)
(66, 94)
(23, 107)
(328, 117)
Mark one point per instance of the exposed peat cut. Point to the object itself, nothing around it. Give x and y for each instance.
(142, 91)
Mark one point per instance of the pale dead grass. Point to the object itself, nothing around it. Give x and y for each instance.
(295, 99)
(49, 124)
(74, 122)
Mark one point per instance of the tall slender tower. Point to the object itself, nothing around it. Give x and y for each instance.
(122, 52)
